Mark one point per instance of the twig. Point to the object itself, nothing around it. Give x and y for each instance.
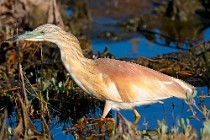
(206, 117)
(38, 97)
(23, 86)
(203, 96)
(189, 102)
(20, 70)
(16, 88)
(3, 124)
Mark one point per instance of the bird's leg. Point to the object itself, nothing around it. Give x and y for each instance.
(138, 116)
(107, 108)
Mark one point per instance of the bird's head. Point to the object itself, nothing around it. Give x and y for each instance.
(46, 32)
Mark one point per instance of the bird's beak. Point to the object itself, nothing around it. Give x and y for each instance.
(30, 36)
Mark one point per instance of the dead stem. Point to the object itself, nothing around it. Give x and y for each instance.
(21, 71)
(25, 124)
(189, 102)
(23, 85)
(204, 114)
(3, 124)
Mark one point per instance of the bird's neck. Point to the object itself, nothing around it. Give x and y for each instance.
(71, 54)
(81, 69)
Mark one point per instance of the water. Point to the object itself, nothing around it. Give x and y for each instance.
(206, 34)
(126, 49)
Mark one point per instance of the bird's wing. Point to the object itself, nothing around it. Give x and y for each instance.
(138, 83)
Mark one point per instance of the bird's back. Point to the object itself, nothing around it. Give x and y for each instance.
(136, 83)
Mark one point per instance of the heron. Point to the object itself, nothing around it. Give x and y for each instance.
(121, 84)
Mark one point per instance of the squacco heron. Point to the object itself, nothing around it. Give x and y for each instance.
(122, 85)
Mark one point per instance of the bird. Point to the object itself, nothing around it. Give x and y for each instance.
(120, 84)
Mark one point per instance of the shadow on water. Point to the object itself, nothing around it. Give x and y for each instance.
(163, 38)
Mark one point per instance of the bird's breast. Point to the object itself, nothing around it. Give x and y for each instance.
(80, 84)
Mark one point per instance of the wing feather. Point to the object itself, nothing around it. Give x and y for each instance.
(137, 83)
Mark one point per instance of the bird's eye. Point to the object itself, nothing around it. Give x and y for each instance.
(42, 32)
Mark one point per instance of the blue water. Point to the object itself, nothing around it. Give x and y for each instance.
(125, 49)
(206, 36)
(158, 111)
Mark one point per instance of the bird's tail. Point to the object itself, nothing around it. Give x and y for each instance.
(188, 91)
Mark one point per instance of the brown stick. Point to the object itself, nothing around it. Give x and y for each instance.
(3, 125)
